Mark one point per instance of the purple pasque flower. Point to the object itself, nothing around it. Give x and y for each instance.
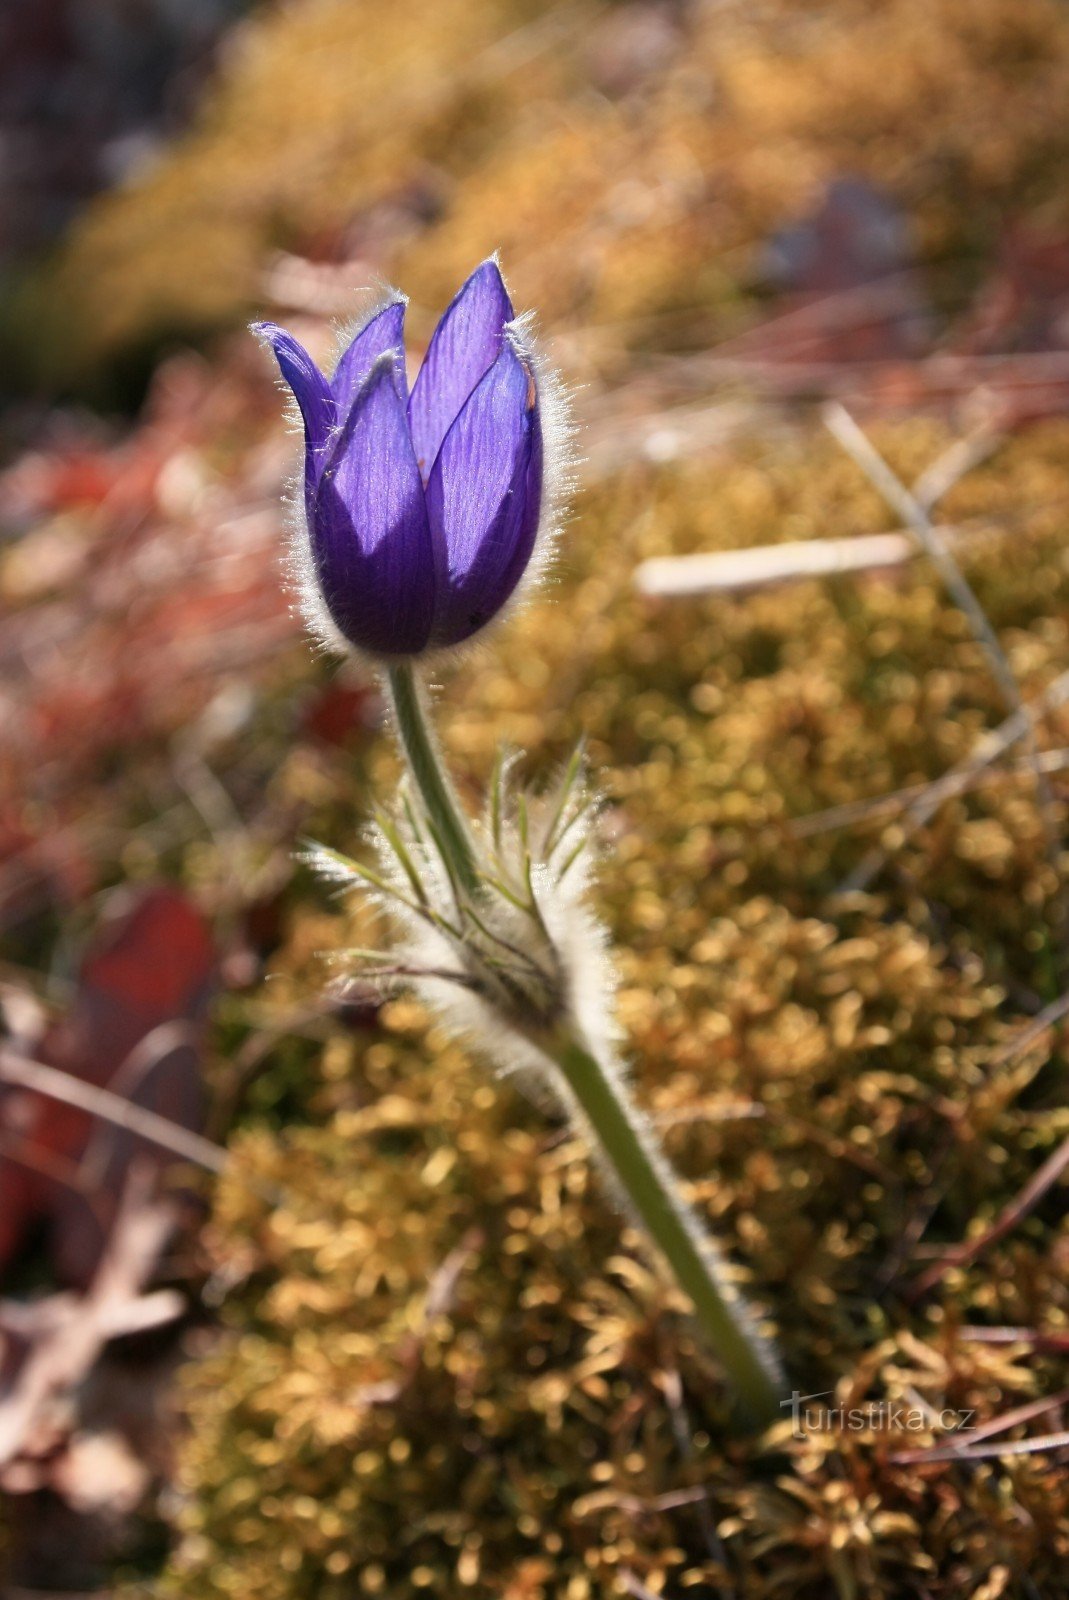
(421, 510)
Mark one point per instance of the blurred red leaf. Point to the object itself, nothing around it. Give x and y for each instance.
(82, 478)
(133, 1028)
(339, 711)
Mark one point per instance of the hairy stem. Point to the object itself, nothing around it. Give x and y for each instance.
(649, 1186)
(429, 776)
(633, 1156)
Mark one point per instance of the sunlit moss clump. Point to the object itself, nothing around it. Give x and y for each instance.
(445, 1370)
(631, 166)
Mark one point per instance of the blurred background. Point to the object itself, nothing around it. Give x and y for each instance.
(412, 1355)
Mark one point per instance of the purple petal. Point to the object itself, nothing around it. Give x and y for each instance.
(310, 389)
(383, 331)
(484, 498)
(464, 346)
(370, 537)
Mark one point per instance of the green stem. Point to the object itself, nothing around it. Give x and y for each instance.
(633, 1156)
(429, 776)
(649, 1185)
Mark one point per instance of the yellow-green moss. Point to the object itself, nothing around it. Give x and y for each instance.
(611, 211)
(830, 1075)
(824, 1076)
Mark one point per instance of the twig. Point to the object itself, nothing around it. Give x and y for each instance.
(636, 1506)
(442, 1286)
(987, 750)
(915, 516)
(738, 1111)
(765, 565)
(1014, 1418)
(898, 800)
(59, 1361)
(729, 571)
(1045, 1340)
(915, 513)
(987, 1452)
(148, 1125)
(924, 1207)
(1031, 1032)
(1019, 1208)
(955, 463)
(672, 1385)
(147, 1055)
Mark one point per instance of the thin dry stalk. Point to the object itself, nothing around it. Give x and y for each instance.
(1008, 1218)
(59, 1360)
(916, 516)
(987, 1452)
(1044, 1340)
(734, 571)
(1016, 1417)
(148, 1125)
(1031, 1032)
(147, 1056)
(895, 801)
(765, 566)
(915, 513)
(958, 779)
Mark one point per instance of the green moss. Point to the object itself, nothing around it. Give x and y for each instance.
(424, 137)
(449, 1371)
(444, 1367)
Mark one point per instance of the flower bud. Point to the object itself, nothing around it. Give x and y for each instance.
(421, 510)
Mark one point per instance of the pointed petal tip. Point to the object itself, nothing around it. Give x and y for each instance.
(484, 497)
(387, 307)
(488, 281)
(483, 296)
(310, 389)
(382, 332)
(387, 364)
(272, 335)
(269, 335)
(463, 348)
(284, 345)
(370, 537)
(515, 371)
(387, 367)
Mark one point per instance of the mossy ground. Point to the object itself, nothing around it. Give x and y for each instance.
(445, 1367)
(629, 164)
(826, 1076)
